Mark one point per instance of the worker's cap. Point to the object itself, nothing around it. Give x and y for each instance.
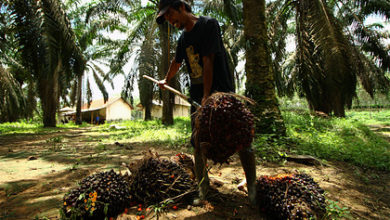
(163, 7)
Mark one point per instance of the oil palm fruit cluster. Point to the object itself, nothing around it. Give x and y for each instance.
(294, 196)
(186, 162)
(224, 126)
(154, 180)
(105, 194)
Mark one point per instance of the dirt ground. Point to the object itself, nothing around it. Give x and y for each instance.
(37, 170)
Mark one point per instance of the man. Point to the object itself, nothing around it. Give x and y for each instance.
(200, 45)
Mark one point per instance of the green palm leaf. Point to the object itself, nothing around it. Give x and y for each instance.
(100, 85)
(12, 99)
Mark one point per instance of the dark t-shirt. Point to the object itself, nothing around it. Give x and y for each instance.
(202, 40)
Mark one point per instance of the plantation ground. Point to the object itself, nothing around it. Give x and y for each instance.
(38, 166)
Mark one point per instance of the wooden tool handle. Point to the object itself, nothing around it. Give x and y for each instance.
(173, 90)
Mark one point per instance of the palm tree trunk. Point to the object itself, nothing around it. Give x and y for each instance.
(79, 119)
(48, 89)
(260, 80)
(167, 97)
(147, 67)
(31, 100)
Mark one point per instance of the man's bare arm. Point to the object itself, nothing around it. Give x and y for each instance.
(208, 67)
(173, 68)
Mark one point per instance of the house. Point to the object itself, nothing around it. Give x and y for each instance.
(63, 114)
(181, 108)
(99, 112)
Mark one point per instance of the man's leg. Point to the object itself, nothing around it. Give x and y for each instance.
(200, 158)
(248, 163)
(201, 172)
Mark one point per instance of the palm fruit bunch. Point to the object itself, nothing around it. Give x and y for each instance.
(186, 162)
(223, 126)
(154, 180)
(104, 194)
(294, 196)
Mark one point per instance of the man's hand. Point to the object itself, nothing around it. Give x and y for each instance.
(162, 83)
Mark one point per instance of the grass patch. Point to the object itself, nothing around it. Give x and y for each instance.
(22, 127)
(29, 127)
(343, 139)
(149, 132)
(378, 117)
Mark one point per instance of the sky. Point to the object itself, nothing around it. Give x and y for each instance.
(119, 80)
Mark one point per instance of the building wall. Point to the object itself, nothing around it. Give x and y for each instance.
(181, 111)
(178, 111)
(118, 110)
(156, 111)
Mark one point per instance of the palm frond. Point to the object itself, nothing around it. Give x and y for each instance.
(29, 36)
(371, 43)
(105, 76)
(214, 8)
(59, 30)
(110, 6)
(100, 85)
(324, 62)
(279, 13)
(233, 10)
(13, 101)
(141, 27)
(129, 84)
(89, 93)
(381, 7)
(372, 78)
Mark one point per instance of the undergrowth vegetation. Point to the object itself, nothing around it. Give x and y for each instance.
(347, 139)
(344, 139)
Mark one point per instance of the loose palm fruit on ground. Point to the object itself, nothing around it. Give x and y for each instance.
(101, 195)
(154, 179)
(224, 126)
(291, 196)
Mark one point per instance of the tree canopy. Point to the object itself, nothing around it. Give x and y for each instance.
(47, 46)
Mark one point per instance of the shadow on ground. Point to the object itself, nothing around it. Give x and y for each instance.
(82, 152)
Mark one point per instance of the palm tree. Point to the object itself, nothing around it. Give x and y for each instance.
(48, 48)
(167, 97)
(147, 65)
(260, 80)
(327, 62)
(11, 59)
(144, 31)
(376, 58)
(141, 43)
(12, 98)
(94, 53)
